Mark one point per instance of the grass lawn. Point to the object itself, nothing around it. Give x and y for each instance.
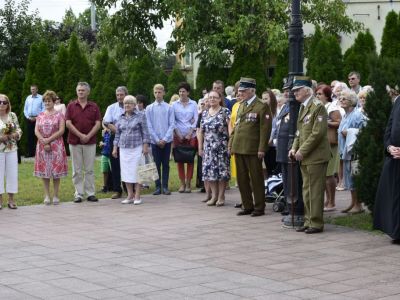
(359, 221)
(31, 188)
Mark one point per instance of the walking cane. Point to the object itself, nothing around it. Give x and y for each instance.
(292, 162)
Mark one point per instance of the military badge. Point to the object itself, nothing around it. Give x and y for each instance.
(320, 118)
(297, 133)
(306, 119)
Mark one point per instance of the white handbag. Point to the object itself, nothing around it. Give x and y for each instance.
(147, 170)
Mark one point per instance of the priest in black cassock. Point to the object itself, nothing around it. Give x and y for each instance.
(387, 202)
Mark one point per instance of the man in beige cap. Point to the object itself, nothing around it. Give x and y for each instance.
(249, 142)
(311, 149)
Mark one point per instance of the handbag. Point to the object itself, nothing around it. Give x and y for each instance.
(332, 136)
(354, 165)
(184, 154)
(147, 170)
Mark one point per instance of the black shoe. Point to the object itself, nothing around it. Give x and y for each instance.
(77, 200)
(238, 205)
(166, 191)
(396, 242)
(104, 190)
(257, 213)
(301, 229)
(92, 199)
(157, 191)
(244, 212)
(202, 190)
(312, 230)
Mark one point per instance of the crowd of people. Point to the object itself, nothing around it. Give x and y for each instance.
(236, 136)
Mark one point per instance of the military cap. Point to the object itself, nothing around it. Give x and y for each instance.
(300, 82)
(247, 83)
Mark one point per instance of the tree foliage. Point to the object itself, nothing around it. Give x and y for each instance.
(174, 79)
(369, 147)
(133, 24)
(390, 44)
(112, 79)
(11, 86)
(326, 61)
(207, 74)
(247, 64)
(61, 67)
(357, 57)
(311, 48)
(18, 30)
(142, 76)
(281, 69)
(79, 69)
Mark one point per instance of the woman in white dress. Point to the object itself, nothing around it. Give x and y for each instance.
(132, 138)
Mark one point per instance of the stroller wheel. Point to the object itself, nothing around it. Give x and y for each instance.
(278, 207)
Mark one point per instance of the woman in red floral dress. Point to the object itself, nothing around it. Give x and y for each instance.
(51, 158)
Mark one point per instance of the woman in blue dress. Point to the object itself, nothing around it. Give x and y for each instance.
(213, 147)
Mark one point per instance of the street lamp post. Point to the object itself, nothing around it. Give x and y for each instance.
(296, 42)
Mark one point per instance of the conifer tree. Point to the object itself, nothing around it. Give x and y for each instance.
(112, 79)
(248, 65)
(44, 71)
(327, 64)
(369, 146)
(310, 50)
(281, 70)
(174, 79)
(99, 72)
(61, 69)
(357, 57)
(162, 78)
(142, 76)
(33, 58)
(390, 44)
(11, 86)
(79, 69)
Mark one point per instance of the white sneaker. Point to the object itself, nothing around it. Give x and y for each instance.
(56, 201)
(127, 201)
(137, 201)
(46, 201)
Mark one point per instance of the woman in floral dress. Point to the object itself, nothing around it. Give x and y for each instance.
(213, 147)
(51, 158)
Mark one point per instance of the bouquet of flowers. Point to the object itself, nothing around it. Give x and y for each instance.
(7, 131)
(10, 128)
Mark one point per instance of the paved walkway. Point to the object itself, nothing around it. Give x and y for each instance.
(177, 248)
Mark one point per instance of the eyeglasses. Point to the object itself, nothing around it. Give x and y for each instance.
(4, 102)
(352, 78)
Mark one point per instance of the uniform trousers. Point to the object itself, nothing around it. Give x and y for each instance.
(83, 157)
(9, 170)
(250, 180)
(313, 194)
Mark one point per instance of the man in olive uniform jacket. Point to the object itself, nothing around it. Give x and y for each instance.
(249, 142)
(311, 149)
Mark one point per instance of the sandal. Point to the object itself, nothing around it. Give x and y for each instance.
(12, 206)
(220, 202)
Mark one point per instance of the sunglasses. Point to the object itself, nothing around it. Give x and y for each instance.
(4, 102)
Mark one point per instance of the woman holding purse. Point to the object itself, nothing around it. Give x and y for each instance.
(50, 158)
(132, 138)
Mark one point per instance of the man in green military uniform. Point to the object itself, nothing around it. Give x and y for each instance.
(311, 149)
(249, 142)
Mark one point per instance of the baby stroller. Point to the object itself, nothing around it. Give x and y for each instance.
(274, 193)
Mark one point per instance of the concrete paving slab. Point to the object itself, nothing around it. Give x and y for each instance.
(178, 248)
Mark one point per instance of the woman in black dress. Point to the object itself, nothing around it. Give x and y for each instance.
(387, 201)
